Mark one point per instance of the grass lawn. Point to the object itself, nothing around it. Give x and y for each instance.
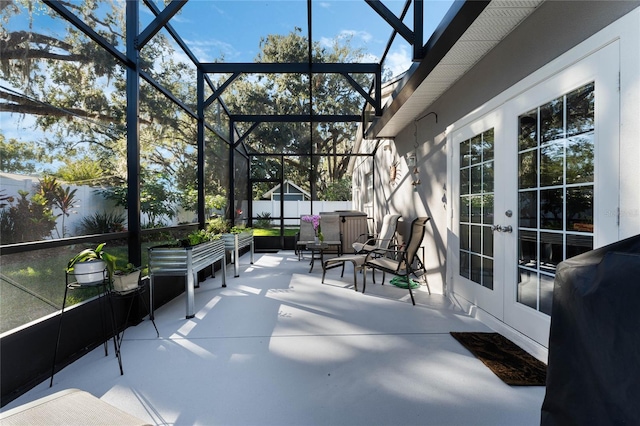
(274, 232)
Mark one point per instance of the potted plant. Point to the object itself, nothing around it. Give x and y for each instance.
(123, 278)
(89, 265)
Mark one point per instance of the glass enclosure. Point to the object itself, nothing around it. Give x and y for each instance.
(139, 148)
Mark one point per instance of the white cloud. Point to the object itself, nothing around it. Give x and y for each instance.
(364, 36)
(210, 50)
(398, 60)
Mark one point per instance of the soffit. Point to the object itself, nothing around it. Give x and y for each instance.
(495, 22)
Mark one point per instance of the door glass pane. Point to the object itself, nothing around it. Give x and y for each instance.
(528, 250)
(556, 197)
(528, 209)
(580, 209)
(551, 120)
(580, 110)
(476, 208)
(552, 164)
(528, 169)
(528, 288)
(487, 210)
(528, 132)
(551, 206)
(580, 158)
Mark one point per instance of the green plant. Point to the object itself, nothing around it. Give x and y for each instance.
(103, 223)
(264, 220)
(23, 219)
(199, 236)
(88, 255)
(218, 225)
(239, 229)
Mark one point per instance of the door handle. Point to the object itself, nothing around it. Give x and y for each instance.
(501, 228)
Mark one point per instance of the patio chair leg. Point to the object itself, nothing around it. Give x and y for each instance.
(364, 278)
(410, 291)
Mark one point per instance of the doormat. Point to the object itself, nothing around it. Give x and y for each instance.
(402, 282)
(508, 361)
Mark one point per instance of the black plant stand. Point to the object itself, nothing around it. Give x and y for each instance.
(104, 296)
(134, 294)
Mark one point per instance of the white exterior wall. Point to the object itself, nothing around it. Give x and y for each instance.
(546, 36)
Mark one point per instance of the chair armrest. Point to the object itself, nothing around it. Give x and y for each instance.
(383, 252)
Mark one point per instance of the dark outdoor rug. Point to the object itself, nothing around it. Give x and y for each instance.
(507, 360)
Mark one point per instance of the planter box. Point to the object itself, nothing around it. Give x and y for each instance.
(234, 242)
(187, 262)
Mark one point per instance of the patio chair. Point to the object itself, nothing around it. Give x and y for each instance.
(400, 262)
(305, 236)
(330, 227)
(383, 239)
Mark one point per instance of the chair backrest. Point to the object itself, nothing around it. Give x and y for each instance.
(388, 230)
(330, 227)
(307, 232)
(418, 227)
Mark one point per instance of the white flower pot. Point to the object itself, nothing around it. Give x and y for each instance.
(91, 272)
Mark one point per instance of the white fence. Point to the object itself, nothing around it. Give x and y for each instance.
(88, 202)
(295, 209)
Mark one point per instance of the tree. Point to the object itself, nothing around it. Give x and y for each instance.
(157, 198)
(289, 94)
(19, 157)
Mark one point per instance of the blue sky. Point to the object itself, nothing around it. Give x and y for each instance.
(232, 28)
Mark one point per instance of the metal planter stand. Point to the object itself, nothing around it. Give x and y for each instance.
(233, 243)
(104, 292)
(186, 262)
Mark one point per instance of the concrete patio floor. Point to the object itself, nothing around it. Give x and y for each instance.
(278, 347)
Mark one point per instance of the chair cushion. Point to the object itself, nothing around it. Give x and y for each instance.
(68, 407)
(383, 263)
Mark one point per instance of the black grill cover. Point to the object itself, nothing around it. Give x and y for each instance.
(593, 375)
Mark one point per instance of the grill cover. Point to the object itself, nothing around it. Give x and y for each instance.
(593, 374)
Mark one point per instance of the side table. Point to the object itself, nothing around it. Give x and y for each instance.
(317, 252)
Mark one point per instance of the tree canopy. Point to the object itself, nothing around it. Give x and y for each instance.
(70, 94)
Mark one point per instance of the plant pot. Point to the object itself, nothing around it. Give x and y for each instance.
(126, 282)
(91, 272)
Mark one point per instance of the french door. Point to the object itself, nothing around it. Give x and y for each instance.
(536, 182)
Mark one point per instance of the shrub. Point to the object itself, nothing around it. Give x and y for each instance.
(264, 220)
(26, 220)
(218, 225)
(102, 223)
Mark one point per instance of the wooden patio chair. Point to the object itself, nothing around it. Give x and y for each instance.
(403, 262)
